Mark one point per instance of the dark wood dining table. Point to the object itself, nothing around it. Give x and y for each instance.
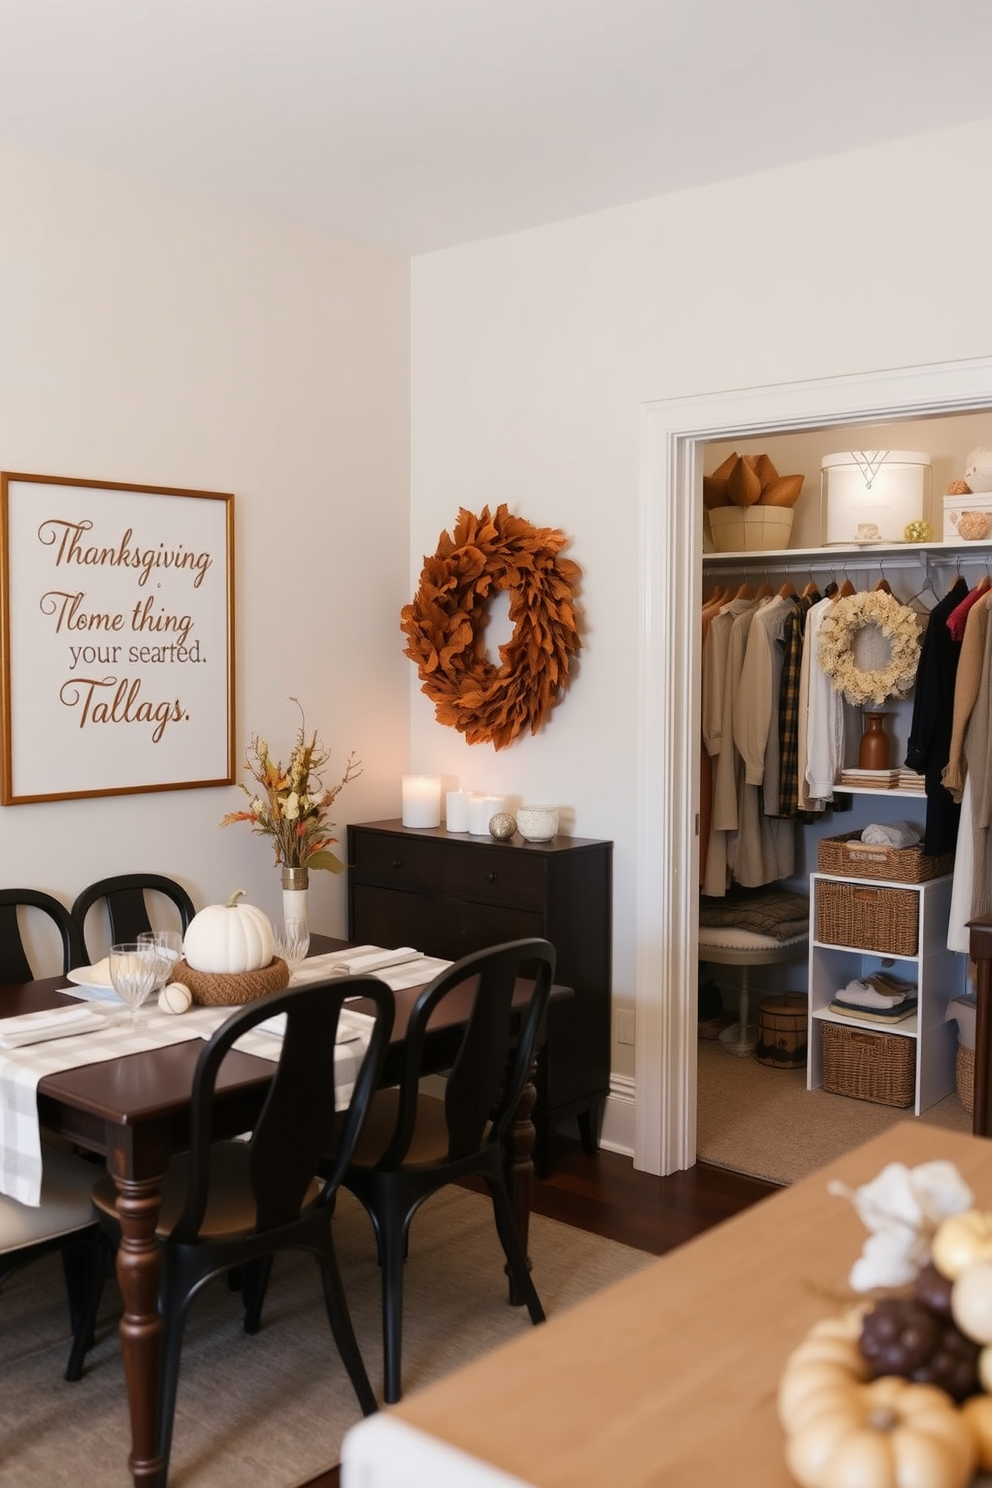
(133, 1112)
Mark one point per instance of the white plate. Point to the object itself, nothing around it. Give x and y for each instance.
(94, 982)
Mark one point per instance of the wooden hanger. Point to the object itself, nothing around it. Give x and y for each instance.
(744, 592)
(883, 586)
(810, 589)
(845, 589)
(788, 590)
(764, 591)
(983, 584)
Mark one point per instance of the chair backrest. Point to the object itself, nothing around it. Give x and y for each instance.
(491, 1067)
(14, 963)
(127, 911)
(298, 1123)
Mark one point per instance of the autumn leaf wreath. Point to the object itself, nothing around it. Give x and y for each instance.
(445, 624)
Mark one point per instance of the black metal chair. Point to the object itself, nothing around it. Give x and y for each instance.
(413, 1144)
(14, 963)
(64, 1221)
(127, 909)
(233, 1204)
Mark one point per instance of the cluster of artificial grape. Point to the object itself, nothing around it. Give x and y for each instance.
(918, 1339)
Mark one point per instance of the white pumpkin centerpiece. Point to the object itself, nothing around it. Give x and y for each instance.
(228, 954)
(231, 937)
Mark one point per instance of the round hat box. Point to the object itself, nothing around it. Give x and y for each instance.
(782, 1031)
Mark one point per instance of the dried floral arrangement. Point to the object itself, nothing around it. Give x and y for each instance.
(292, 807)
(749, 480)
(486, 555)
(836, 638)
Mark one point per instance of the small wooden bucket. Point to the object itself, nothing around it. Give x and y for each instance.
(782, 1032)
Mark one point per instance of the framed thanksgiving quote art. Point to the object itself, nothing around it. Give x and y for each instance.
(117, 638)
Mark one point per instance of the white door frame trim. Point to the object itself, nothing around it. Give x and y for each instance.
(666, 913)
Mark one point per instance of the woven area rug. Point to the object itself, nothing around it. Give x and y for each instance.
(763, 1121)
(271, 1410)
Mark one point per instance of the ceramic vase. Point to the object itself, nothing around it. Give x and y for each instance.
(875, 748)
(295, 897)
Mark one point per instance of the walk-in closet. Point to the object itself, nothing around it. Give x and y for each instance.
(835, 807)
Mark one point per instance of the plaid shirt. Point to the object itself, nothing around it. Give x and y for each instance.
(788, 716)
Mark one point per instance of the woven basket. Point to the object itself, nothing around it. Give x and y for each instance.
(849, 857)
(867, 918)
(879, 1067)
(231, 989)
(964, 1069)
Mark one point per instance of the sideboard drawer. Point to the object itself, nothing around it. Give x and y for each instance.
(396, 862)
(495, 875)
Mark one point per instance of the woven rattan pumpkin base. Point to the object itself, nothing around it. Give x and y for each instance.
(231, 989)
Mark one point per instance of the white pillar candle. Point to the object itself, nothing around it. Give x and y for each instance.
(456, 805)
(421, 801)
(481, 812)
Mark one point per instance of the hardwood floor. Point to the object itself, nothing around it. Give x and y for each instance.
(603, 1194)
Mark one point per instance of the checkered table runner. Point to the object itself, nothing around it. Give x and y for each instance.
(22, 1069)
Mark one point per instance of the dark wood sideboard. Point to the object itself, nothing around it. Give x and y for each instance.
(451, 894)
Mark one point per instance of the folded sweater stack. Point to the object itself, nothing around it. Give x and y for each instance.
(879, 998)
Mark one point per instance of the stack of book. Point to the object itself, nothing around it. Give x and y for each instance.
(875, 779)
(882, 780)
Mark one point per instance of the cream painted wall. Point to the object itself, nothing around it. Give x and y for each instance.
(153, 338)
(533, 354)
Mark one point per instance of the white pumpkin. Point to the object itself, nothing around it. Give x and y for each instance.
(231, 938)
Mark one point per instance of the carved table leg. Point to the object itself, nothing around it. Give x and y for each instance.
(138, 1272)
(518, 1168)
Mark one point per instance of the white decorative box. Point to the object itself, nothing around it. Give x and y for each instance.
(968, 518)
(871, 496)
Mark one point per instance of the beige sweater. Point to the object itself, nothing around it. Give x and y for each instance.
(968, 680)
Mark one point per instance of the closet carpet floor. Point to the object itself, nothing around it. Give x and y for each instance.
(763, 1121)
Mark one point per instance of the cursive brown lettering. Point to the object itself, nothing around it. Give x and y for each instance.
(69, 614)
(118, 700)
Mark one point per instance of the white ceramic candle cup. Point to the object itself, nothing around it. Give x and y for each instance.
(537, 823)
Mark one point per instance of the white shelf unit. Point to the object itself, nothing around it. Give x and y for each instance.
(937, 972)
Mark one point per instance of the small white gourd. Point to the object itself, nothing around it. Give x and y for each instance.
(229, 938)
(175, 998)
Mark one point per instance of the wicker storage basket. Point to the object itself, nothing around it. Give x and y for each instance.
(879, 1067)
(849, 857)
(867, 918)
(964, 1069)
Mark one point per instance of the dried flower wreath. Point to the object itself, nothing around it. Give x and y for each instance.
(444, 625)
(839, 630)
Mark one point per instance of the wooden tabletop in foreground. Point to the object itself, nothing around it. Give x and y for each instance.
(669, 1377)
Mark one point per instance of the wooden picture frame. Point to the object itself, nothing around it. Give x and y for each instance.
(116, 638)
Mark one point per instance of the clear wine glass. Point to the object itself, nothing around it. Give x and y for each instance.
(291, 942)
(134, 967)
(167, 947)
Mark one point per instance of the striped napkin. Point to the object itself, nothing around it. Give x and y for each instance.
(52, 1023)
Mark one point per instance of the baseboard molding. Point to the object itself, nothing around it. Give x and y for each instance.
(617, 1134)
